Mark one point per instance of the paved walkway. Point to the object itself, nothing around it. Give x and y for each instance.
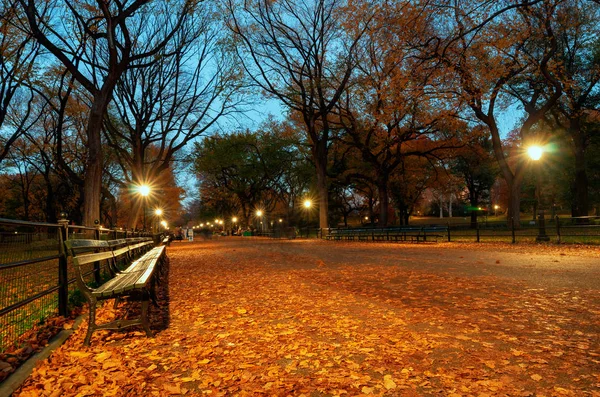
(264, 317)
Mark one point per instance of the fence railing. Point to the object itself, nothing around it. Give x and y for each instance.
(584, 230)
(36, 277)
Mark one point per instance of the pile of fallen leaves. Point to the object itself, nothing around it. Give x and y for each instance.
(252, 317)
(30, 343)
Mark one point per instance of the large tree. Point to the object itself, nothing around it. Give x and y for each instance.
(514, 53)
(166, 104)
(97, 41)
(579, 70)
(298, 52)
(18, 55)
(246, 167)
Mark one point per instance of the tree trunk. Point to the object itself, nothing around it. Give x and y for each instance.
(514, 202)
(473, 220)
(321, 168)
(581, 199)
(50, 202)
(441, 206)
(384, 200)
(92, 186)
(450, 206)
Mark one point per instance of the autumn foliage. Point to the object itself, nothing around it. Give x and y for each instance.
(264, 317)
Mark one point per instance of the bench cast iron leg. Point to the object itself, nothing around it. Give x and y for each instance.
(145, 322)
(91, 322)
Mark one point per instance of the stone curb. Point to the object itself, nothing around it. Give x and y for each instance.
(17, 378)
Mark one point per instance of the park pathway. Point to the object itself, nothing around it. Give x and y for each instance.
(255, 317)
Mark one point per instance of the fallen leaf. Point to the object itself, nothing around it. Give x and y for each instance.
(388, 382)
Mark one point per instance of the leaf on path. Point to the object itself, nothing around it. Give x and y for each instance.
(388, 382)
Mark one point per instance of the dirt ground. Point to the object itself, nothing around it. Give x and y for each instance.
(244, 316)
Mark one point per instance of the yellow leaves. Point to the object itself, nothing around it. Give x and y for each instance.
(80, 354)
(151, 368)
(102, 356)
(173, 388)
(490, 364)
(388, 382)
(110, 364)
(330, 331)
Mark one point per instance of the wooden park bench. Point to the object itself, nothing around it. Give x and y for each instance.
(405, 233)
(133, 266)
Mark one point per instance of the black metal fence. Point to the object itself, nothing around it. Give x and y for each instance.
(36, 277)
(581, 230)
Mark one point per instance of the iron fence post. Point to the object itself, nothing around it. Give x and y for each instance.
(448, 231)
(477, 231)
(63, 275)
(557, 229)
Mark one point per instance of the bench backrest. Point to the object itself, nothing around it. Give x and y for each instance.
(85, 251)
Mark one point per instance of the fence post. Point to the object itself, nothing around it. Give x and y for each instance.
(557, 229)
(512, 228)
(448, 231)
(477, 231)
(63, 275)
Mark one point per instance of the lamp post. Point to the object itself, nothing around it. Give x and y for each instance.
(535, 153)
(157, 213)
(496, 210)
(233, 225)
(259, 215)
(307, 205)
(144, 191)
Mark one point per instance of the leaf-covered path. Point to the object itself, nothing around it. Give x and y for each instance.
(261, 317)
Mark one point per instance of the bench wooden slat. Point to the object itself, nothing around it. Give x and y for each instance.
(153, 258)
(84, 259)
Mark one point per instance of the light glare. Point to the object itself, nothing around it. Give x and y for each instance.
(535, 152)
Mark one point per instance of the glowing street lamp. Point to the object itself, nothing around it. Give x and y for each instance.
(496, 207)
(259, 215)
(307, 205)
(535, 152)
(158, 212)
(144, 191)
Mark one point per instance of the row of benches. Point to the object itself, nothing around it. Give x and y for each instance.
(133, 264)
(413, 234)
